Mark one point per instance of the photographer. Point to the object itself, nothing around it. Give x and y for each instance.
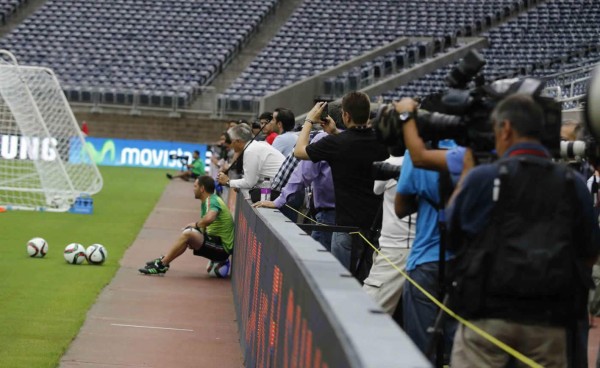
(261, 160)
(419, 190)
(441, 160)
(525, 236)
(194, 170)
(350, 154)
(305, 174)
(384, 283)
(220, 154)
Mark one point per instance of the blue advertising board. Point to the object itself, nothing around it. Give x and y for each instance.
(136, 153)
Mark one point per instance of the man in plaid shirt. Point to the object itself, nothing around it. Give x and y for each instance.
(295, 200)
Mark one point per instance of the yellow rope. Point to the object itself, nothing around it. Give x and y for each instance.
(522, 358)
(460, 319)
(303, 215)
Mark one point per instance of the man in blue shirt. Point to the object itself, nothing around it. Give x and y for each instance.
(418, 190)
(285, 122)
(526, 236)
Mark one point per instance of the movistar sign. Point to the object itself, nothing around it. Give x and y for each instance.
(125, 152)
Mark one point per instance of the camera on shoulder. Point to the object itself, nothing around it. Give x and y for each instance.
(462, 112)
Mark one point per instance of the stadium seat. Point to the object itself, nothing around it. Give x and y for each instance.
(134, 44)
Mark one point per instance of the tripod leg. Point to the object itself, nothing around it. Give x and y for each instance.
(437, 343)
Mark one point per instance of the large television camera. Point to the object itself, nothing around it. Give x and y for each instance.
(463, 114)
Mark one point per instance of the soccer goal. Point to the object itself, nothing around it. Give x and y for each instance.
(44, 165)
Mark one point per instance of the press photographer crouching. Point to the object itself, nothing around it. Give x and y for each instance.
(525, 237)
(189, 171)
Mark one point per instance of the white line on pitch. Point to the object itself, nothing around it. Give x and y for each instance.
(153, 327)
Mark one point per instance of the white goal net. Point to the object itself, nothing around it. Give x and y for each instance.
(43, 163)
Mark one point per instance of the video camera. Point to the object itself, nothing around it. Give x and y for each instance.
(463, 114)
(382, 170)
(183, 159)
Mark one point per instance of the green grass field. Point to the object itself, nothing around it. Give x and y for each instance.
(44, 301)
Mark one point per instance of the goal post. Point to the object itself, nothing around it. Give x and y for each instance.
(44, 164)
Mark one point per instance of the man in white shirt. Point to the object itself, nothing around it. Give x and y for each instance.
(385, 283)
(286, 140)
(261, 160)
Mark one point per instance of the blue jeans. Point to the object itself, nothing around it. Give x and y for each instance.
(341, 248)
(324, 237)
(420, 312)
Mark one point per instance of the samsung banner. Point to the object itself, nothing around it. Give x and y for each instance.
(137, 153)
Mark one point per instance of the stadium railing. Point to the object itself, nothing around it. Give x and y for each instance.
(298, 307)
(135, 102)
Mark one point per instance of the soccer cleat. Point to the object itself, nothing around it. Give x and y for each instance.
(152, 262)
(169, 176)
(157, 268)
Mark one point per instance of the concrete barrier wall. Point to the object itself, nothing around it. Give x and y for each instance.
(298, 307)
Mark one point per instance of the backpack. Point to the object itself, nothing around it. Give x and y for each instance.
(523, 266)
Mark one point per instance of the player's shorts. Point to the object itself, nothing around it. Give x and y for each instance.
(212, 247)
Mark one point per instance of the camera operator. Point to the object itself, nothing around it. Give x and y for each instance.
(194, 170)
(313, 175)
(350, 155)
(419, 190)
(526, 237)
(441, 160)
(261, 160)
(384, 283)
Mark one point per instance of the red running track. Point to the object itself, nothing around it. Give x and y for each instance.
(183, 319)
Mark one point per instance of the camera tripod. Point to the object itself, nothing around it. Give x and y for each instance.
(436, 344)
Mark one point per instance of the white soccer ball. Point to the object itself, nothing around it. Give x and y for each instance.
(74, 253)
(219, 270)
(37, 247)
(96, 254)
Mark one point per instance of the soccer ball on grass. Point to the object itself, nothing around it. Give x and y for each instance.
(74, 253)
(96, 254)
(37, 247)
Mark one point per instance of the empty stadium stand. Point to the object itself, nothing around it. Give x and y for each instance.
(164, 53)
(157, 52)
(8, 8)
(323, 34)
(554, 36)
(570, 86)
(543, 39)
(526, 38)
